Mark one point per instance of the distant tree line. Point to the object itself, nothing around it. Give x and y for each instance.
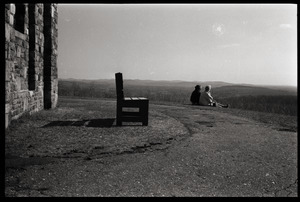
(281, 104)
(83, 89)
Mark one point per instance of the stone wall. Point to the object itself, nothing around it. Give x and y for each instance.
(50, 71)
(26, 60)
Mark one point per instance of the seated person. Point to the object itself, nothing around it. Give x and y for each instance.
(207, 100)
(195, 97)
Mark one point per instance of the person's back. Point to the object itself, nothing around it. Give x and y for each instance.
(206, 98)
(195, 97)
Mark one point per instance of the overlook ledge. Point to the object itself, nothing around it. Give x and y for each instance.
(76, 149)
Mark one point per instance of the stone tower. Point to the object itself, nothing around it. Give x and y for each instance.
(31, 81)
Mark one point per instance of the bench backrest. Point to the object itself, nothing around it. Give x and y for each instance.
(119, 86)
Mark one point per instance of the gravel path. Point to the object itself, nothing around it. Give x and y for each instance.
(77, 150)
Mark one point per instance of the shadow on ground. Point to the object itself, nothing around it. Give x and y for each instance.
(17, 162)
(98, 123)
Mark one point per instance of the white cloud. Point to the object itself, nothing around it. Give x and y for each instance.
(229, 45)
(218, 29)
(285, 26)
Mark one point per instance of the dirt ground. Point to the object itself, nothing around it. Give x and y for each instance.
(76, 149)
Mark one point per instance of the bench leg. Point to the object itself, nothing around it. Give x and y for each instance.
(119, 114)
(119, 122)
(145, 110)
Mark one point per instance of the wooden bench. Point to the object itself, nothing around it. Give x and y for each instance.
(130, 102)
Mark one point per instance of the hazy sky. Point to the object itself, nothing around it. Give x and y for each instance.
(254, 44)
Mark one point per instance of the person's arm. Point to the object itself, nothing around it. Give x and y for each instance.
(211, 99)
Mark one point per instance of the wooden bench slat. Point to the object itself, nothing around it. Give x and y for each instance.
(132, 119)
(135, 98)
(138, 114)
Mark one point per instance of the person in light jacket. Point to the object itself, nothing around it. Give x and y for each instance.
(207, 100)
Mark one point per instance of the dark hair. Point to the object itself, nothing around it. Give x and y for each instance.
(207, 88)
(197, 87)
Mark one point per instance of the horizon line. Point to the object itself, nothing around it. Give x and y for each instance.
(189, 82)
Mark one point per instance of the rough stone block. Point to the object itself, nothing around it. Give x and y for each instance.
(24, 94)
(26, 45)
(12, 54)
(7, 92)
(17, 108)
(12, 8)
(12, 66)
(7, 121)
(52, 11)
(40, 11)
(13, 113)
(54, 103)
(23, 62)
(11, 19)
(7, 32)
(37, 58)
(26, 20)
(25, 104)
(13, 78)
(18, 40)
(18, 84)
(20, 36)
(7, 96)
(25, 72)
(26, 56)
(7, 72)
(24, 85)
(15, 102)
(19, 111)
(6, 45)
(18, 51)
(7, 108)
(12, 95)
(7, 14)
